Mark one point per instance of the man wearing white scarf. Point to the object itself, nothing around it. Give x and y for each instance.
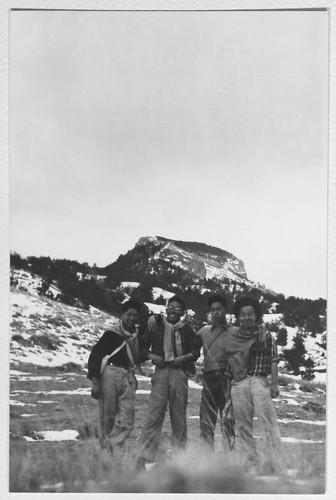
(111, 365)
(172, 347)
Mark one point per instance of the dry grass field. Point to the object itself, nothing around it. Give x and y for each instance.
(50, 400)
(46, 399)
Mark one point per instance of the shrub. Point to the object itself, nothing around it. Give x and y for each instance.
(58, 321)
(69, 367)
(18, 338)
(45, 341)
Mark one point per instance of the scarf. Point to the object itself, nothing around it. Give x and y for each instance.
(171, 338)
(239, 346)
(132, 343)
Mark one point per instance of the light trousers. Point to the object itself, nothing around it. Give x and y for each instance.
(116, 406)
(251, 398)
(169, 387)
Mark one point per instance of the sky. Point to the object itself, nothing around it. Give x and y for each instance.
(195, 126)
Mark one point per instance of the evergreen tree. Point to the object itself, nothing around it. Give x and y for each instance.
(295, 356)
(309, 373)
(282, 337)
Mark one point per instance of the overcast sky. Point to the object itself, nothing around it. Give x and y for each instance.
(199, 126)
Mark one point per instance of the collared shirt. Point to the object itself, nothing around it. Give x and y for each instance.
(214, 340)
(261, 360)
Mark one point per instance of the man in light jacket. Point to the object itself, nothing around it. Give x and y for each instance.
(215, 397)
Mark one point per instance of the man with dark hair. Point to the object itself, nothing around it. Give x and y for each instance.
(111, 368)
(246, 301)
(252, 355)
(172, 347)
(215, 396)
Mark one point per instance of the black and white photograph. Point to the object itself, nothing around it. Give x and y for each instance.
(168, 260)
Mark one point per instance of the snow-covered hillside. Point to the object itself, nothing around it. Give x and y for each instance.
(50, 333)
(46, 332)
(311, 344)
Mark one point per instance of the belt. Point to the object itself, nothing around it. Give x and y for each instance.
(219, 373)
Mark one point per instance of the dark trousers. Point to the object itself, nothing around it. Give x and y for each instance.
(215, 399)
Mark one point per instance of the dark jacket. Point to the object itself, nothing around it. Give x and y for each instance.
(153, 342)
(106, 345)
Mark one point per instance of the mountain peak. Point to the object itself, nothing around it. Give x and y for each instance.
(190, 260)
(147, 239)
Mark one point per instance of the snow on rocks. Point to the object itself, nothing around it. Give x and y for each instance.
(157, 292)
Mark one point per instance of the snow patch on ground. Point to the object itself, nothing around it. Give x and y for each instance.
(194, 385)
(142, 378)
(13, 402)
(298, 420)
(299, 440)
(288, 400)
(65, 435)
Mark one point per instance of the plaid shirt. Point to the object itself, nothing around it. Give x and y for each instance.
(260, 361)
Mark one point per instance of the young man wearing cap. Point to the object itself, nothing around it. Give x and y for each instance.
(252, 355)
(172, 347)
(111, 368)
(215, 397)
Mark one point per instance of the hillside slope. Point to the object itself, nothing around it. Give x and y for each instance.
(49, 333)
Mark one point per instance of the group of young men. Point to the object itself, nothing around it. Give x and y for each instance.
(237, 362)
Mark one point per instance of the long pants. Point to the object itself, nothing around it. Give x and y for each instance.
(214, 398)
(116, 406)
(251, 398)
(169, 386)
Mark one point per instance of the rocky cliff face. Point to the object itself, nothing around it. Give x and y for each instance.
(200, 261)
